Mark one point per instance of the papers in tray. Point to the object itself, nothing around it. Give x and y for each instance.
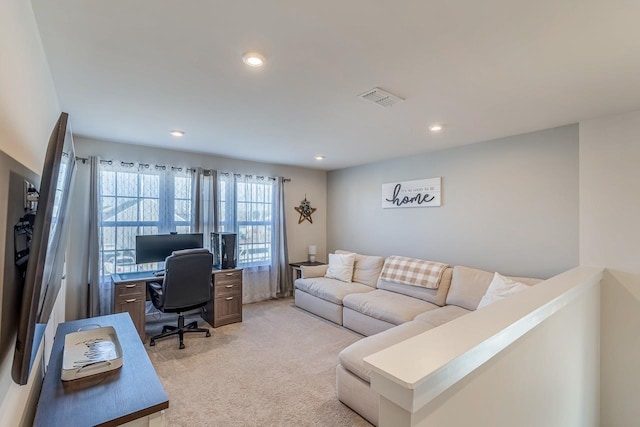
(90, 352)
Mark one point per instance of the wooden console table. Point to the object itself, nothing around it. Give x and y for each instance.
(130, 393)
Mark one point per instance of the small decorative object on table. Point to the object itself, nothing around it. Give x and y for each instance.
(312, 253)
(90, 352)
(305, 210)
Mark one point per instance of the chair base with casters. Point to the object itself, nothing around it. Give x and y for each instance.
(186, 286)
(180, 330)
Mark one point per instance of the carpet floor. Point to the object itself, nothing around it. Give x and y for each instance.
(276, 368)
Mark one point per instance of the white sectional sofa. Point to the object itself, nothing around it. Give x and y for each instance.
(324, 297)
(386, 313)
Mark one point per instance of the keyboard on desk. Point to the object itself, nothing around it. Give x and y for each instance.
(134, 275)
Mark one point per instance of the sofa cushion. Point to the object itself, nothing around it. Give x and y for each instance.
(366, 269)
(500, 288)
(341, 267)
(468, 286)
(351, 358)
(442, 315)
(388, 306)
(435, 296)
(330, 289)
(308, 271)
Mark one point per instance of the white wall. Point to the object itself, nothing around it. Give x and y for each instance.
(28, 111)
(29, 104)
(311, 182)
(609, 237)
(529, 360)
(509, 205)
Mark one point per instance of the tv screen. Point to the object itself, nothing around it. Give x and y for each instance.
(43, 274)
(157, 247)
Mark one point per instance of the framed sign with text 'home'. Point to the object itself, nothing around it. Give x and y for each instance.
(419, 193)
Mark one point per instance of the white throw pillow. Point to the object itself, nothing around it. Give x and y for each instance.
(341, 267)
(501, 287)
(366, 268)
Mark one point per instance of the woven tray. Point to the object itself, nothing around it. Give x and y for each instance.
(90, 352)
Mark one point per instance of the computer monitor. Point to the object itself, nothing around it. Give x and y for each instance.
(157, 247)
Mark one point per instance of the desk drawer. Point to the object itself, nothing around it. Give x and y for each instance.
(224, 277)
(129, 289)
(227, 310)
(227, 288)
(134, 304)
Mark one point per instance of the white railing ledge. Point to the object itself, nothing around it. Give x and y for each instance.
(413, 372)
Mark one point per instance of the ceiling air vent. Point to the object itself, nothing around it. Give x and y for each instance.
(380, 97)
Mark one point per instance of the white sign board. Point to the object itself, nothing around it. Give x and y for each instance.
(411, 194)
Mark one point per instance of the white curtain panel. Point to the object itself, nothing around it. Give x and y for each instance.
(252, 206)
(253, 220)
(256, 284)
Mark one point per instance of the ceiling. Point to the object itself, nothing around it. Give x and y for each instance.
(132, 70)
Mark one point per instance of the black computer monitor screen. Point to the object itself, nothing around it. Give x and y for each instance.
(157, 247)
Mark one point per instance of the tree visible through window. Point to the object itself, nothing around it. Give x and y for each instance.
(135, 202)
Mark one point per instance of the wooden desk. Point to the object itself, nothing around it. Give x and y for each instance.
(132, 392)
(130, 291)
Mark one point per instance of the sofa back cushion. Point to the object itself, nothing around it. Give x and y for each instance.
(468, 286)
(366, 269)
(435, 296)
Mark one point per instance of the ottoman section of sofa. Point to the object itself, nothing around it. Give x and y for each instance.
(385, 306)
(442, 315)
(352, 357)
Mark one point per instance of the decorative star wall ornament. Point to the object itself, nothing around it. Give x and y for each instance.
(305, 210)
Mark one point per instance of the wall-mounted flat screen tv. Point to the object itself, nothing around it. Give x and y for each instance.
(43, 275)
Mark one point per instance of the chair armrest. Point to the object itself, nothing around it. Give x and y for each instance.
(155, 287)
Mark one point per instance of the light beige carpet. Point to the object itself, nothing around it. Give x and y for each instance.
(276, 368)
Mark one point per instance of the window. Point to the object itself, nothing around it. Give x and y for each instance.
(135, 201)
(245, 206)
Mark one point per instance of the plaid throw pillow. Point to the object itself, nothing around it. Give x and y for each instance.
(414, 272)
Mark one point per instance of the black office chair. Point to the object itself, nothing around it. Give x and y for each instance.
(186, 286)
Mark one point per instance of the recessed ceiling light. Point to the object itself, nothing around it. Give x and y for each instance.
(435, 128)
(253, 59)
(319, 157)
(177, 133)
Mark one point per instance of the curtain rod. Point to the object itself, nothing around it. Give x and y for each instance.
(248, 175)
(178, 168)
(144, 165)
